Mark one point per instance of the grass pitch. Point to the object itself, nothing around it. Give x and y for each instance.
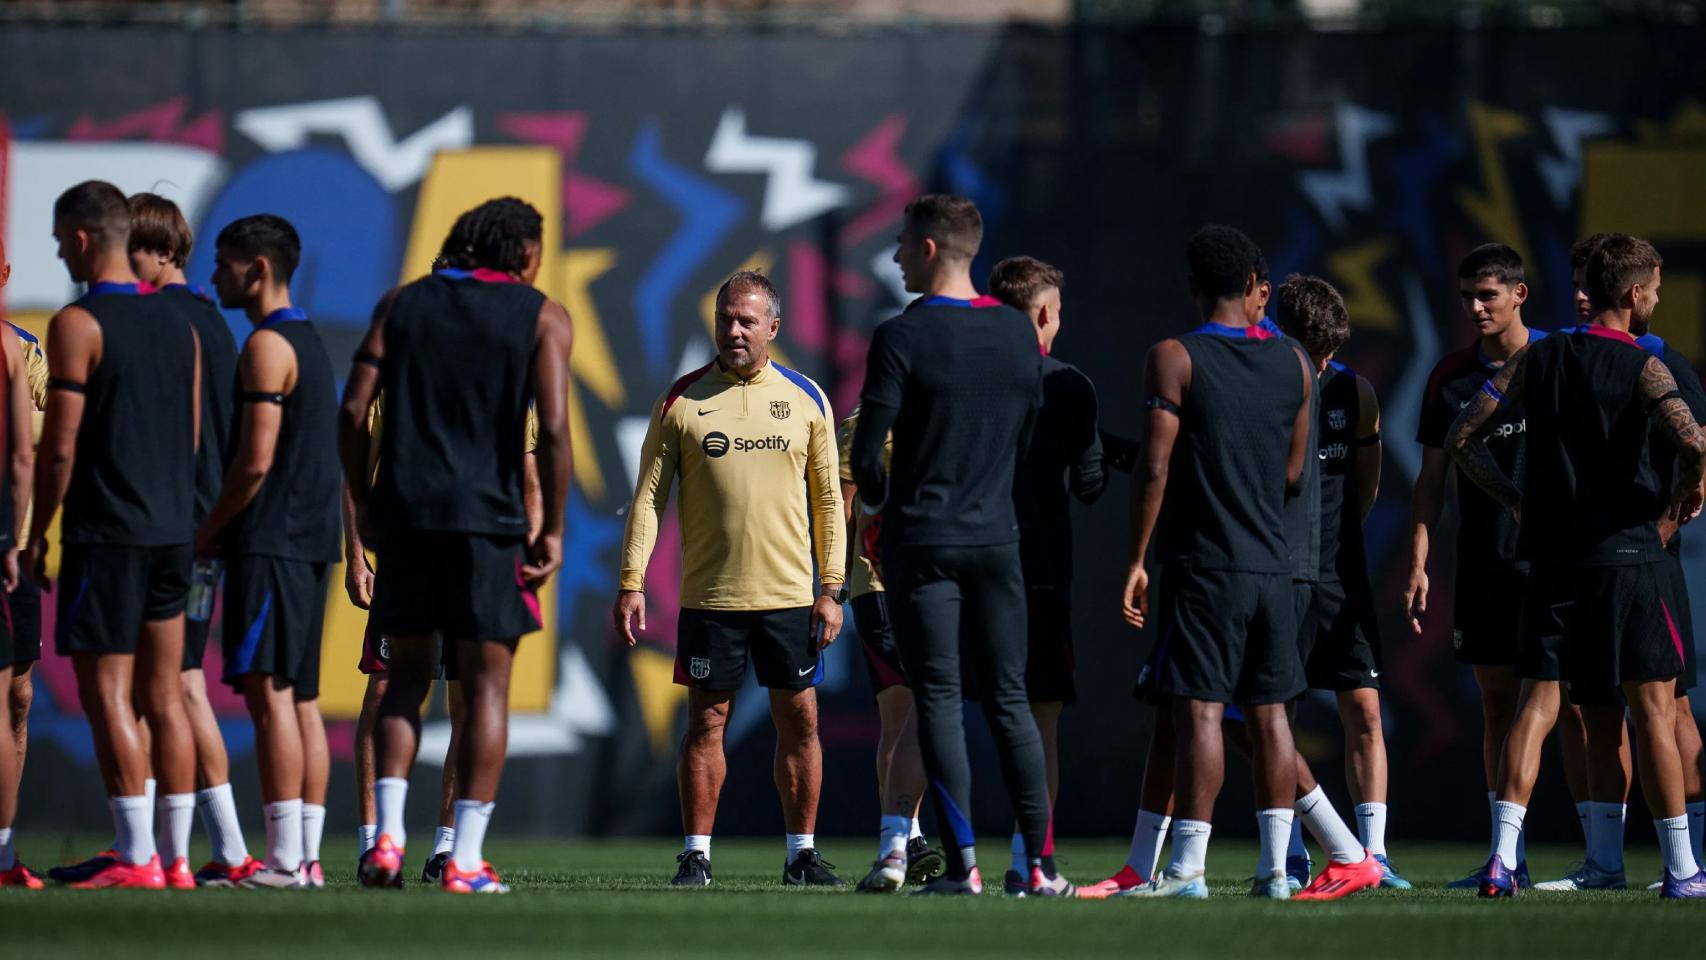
(600, 898)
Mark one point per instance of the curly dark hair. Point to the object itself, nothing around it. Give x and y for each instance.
(1313, 313)
(493, 235)
(1221, 260)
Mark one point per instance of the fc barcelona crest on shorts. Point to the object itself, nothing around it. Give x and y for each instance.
(1336, 419)
(699, 667)
(779, 409)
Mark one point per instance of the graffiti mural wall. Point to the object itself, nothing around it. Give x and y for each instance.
(664, 160)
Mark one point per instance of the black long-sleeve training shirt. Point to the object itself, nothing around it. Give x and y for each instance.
(958, 382)
(1064, 460)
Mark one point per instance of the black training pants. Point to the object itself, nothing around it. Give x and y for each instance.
(949, 600)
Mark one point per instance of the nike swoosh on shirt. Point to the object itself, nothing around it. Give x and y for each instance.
(712, 410)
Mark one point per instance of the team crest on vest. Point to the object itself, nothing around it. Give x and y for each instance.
(779, 409)
(1336, 419)
(699, 667)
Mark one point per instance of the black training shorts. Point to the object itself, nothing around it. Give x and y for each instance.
(713, 647)
(1346, 652)
(876, 636)
(1601, 627)
(106, 593)
(1225, 636)
(464, 586)
(275, 610)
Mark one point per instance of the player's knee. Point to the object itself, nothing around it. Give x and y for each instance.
(23, 695)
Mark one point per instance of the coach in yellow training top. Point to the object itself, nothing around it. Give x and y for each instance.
(753, 445)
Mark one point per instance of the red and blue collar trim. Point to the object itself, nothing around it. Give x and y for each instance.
(1622, 336)
(194, 291)
(976, 303)
(482, 274)
(1265, 330)
(282, 315)
(109, 288)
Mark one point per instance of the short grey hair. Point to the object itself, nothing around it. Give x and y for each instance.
(752, 280)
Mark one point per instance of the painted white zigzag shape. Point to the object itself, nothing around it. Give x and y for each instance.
(1332, 191)
(396, 164)
(1404, 411)
(579, 709)
(1563, 173)
(792, 194)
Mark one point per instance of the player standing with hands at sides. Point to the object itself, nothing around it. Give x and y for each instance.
(17, 647)
(1491, 576)
(276, 525)
(459, 354)
(957, 378)
(160, 241)
(753, 446)
(118, 452)
(1598, 514)
(1229, 411)
(1063, 462)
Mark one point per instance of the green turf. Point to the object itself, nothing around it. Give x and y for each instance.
(609, 897)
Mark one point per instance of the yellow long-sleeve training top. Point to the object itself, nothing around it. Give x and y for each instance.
(760, 491)
(861, 576)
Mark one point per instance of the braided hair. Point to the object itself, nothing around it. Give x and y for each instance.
(494, 236)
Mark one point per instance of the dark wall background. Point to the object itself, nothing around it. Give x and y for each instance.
(1374, 159)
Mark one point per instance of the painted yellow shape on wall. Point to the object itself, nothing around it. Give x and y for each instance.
(1353, 268)
(659, 695)
(342, 685)
(1494, 208)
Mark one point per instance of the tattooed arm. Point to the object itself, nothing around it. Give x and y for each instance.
(1671, 417)
(1467, 439)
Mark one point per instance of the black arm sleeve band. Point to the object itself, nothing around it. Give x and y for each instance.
(1673, 395)
(1369, 440)
(69, 386)
(362, 356)
(253, 396)
(1161, 403)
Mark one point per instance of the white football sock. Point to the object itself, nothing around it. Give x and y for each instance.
(798, 842)
(1274, 828)
(1583, 811)
(1328, 828)
(1146, 840)
(892, 836)
(313, 829)
(1297, 848)
(177, 816)
(1190, 848)
(700, 842)
(368, 835)
(1605, 835)
(218, 811)
(472, 818)
(444, 840)
(917, 831)
(1697, 829)
(284, 834)
(1507, 831)
(134, 828)
(149, 790)
(1021, 862)
(8, 859)
(1673, 840)
(1371, 827)
(390, 793)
